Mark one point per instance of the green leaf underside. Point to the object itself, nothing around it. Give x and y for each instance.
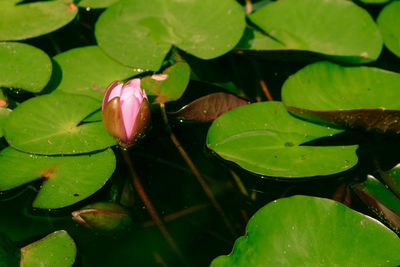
(292, 25)
(96, 3)
(381, 200)
(354, 96)
(310, 231)
(389, 24)
(49, 124)
(140, 33)
(265, 139)
(55, 249)
(4, 113)
(170, 85)
(88, 71)
(19, 22)
(24, 67)
(68, 179)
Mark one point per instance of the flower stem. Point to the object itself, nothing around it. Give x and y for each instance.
(191, 165)
(149, 206)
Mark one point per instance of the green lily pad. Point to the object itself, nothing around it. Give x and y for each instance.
(168, 86)
(310, 231)
(24, 66)
(318, 26)
(4, 112)
(381, 200)
(50, 124)
(21, 21)
(140, 33)
(265, 139)
(88, 71)
(353, 96)
(55, 249)
(389, 24)
(96, 3)
(67, 179)
(374, 1)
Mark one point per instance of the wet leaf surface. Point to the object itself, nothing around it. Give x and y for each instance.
(307, 231)
(209, 107)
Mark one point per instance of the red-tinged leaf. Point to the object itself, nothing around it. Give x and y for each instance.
(209, 107)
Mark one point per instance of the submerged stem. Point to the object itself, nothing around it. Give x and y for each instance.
(191, 165)
(149, 206)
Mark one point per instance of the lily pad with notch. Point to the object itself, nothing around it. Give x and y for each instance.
(88, 71)
(67, 179)
(169, 85)
(141, 33)
(311, 231)
(24, 67)
(265, 139)
(20, 20)
(359, 96)
(290, 25)
(51, 124)
(55, 249)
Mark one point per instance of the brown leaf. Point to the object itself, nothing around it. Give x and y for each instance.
(209, 107)
(380, 119)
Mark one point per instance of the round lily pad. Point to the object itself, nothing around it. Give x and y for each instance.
(310, 231)
(51, 124)
(168, 86)
(22, 19)
(354, 96)
(24, 67)
(140, 33)
(55, 249)
(88, 71)
(389, 24)
(319, 26)
(67, 179)
(265, 139)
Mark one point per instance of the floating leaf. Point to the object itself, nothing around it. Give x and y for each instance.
(389, 24)
(140, 33)
(392, 179)
(291, 24)
(310, 231)
(68, 179)
(352, 96)
(209, 107)
(20, 21)
(4, 112)
(88, 71)
(24, 67)
(374, 1)
(9, 253)
(55, 249)
(265, 139)
(168, 86)
(50, 124)
(96, 3)
(381, 200)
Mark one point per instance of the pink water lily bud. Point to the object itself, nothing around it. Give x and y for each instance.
(126, 111)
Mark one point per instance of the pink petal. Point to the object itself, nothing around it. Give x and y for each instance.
(129, 110)
(113, 90)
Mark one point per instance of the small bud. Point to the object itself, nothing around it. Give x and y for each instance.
(105, 216)
(126, 111)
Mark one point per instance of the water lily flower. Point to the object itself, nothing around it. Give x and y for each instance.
(126, 111)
